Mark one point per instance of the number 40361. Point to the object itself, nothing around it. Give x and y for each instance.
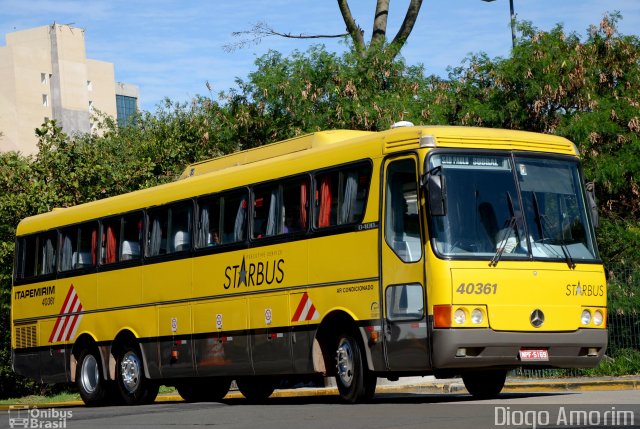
(478, 288)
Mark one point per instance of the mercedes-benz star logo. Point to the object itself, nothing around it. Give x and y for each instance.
(536, 318)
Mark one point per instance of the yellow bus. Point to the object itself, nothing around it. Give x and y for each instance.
(418, 250)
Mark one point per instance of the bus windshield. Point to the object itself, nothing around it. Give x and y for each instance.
(501, 207)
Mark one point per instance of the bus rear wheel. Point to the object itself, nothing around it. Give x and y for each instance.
(134, 387)
(256, 389)
(204, 390)
(92, 387)
(485, 384)
(355, 382)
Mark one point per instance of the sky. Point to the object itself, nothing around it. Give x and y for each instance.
(171, 48)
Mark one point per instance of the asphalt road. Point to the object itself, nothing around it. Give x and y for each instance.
(397, 410)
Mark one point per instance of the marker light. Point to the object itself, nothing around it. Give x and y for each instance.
(459, 316)
(598, 318)
(586, 317)
(476, 316)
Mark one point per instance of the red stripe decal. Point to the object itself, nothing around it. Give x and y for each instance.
(303, 302)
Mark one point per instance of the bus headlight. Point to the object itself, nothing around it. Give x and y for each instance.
(476, 316)
(460, 316)
(598, 318)
(586, 317)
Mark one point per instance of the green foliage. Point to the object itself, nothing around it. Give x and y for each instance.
(623, 362)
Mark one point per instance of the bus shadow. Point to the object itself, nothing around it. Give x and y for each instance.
(391, 398)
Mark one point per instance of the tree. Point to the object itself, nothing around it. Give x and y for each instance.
(378, 41)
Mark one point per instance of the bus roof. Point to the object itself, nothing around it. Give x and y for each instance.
(274, 160)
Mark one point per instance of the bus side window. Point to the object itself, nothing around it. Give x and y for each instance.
(209, 222)
(78, 247)
(295, 196)
(47, 253)
(131, 237)
(234, 217)
(27, 257)
(341, 195)
(180, 227)
(267, 209)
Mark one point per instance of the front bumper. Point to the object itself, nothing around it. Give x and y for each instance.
(486, 348)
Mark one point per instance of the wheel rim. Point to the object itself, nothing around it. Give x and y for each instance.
(130, 370)
(90, 376)
(344, 362)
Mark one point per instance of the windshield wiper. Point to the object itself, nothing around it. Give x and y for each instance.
(507, 230)
(541, 220)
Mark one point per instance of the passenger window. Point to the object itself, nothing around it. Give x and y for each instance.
(222, 219)
(170, 229)
(405, 302)
(280, 208)
(78, 247)
(266, 211)
(402, 224)
(341, 196)
(131, 237)
(37, 255)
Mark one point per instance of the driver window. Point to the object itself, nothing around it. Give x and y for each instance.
(402, 224)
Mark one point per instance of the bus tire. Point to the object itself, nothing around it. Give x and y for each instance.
(134, 387)
(484, 384)
(204, 390)
(256, 389)
(91, 384)
(355, 382)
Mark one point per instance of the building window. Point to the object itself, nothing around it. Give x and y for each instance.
(45, 100)
(90, 105)
(126, 108)
(89, 86)
(43, 78)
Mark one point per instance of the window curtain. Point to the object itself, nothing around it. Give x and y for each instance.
(156, 237)
(241, 215)
(66, 259)
(350, 192)
(304, 196)
(94, 246)
(272, 220)
(48, 257)
(112, 254)
(204, 236)
(324, 215)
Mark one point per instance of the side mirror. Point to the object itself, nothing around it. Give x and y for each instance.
(437, 195)
(591, 203)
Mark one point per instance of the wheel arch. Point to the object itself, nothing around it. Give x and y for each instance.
(85, 341)
(125, 337)
(334, 323)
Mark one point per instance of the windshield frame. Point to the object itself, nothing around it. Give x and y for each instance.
(513, 155)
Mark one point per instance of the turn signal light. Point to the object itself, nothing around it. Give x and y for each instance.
(442, 316)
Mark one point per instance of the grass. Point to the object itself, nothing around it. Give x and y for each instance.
(61, 397)
(42, 400)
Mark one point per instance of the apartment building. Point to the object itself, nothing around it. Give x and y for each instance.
(45, 74)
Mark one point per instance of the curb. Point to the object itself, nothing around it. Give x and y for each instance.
(441, 387)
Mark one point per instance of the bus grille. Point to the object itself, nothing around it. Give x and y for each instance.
(26, 336)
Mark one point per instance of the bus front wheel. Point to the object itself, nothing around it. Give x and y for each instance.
(355, 382)
(485, 384)
(134, 387)
(92, 386)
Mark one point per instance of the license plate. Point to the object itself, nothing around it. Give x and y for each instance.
(534, 354)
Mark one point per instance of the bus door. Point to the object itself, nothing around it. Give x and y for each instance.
(403, 277)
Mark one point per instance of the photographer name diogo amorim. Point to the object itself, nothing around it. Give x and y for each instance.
(562, 416)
